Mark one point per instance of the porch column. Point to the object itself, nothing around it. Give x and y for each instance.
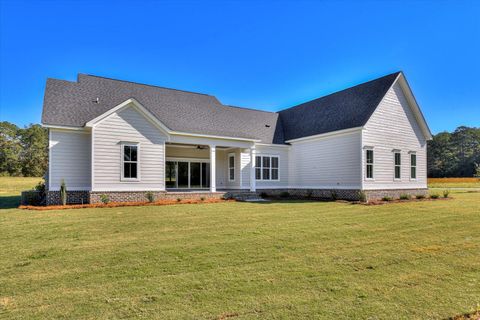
(252, 169)
(213, 167)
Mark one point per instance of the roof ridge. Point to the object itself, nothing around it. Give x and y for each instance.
(249, 109)
(357, 85)
(148, 85)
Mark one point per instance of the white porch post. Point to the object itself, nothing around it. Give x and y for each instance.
(213, 167)
(252, 169)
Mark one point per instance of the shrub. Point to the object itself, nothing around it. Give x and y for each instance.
(179, 199)
(63, 192)
(446, 193)
(404, 197)
(150, 196)
(334, 195)
(202, 198)
(263, 194)
(40, 186)
(420, 196)
(362, 196)
(284, 194)
(434, 196)
(104, 198)
(387, 198)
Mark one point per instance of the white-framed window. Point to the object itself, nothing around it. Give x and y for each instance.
(130, 162)
(369, 163)
(231, 167)
(398, 165)
(413, 166)
(267, 168)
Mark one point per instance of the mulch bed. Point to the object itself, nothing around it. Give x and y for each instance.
(122, 204)
(468, 316)
(381, 202)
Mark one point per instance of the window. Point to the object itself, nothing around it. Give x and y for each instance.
(231, 167)
(369, 161)
(130, 161)
(398, 164)
(266, 168)
(413, 166)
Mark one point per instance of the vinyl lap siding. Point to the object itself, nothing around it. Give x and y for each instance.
(128, 125)
(70, 160)
(330, 162)
(393, 126)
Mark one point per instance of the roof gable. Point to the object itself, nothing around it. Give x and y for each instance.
(349, 108)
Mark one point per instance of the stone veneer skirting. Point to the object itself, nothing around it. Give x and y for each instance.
(73, 197)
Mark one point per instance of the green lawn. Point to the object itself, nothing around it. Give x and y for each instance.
(281, 260)
(11, 187)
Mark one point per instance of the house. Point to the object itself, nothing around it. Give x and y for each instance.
(123, 139)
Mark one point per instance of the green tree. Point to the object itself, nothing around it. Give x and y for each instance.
(34, 157)
(10, 149)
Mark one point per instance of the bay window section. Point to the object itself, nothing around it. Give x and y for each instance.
(267, 168)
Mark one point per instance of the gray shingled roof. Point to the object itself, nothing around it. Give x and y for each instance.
(344, 109)
(72, 104)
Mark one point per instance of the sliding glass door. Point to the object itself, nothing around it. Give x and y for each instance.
(187, 174)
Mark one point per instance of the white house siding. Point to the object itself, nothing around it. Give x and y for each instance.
(283, 157)
(245, 168)
(128, 125)
(326, 162)
(69, 159)
(393, 126)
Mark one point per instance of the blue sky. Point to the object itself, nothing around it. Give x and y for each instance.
(266, 55)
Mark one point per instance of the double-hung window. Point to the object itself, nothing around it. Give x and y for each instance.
(231, 167)
(130, 162)
(398, 164)
(413, 166)
(267, 168)
(369, 163)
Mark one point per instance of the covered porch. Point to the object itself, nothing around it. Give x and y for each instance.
(191, 167)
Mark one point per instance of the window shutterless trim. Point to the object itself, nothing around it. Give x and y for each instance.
(122, 154)
(259, 166)
(413, 153)
(231, 155)
(369, 164)
(395, 165)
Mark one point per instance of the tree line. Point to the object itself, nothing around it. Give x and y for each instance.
(24, 152)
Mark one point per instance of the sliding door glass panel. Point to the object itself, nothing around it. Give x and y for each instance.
(182, 175)
(205, 175)
(171, 174)
(194, 174)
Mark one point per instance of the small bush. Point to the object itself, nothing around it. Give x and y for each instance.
(263, 194)
(420, 196)
(63, 192)
(334, 195)
(309, 193)
(284, 194)
(179, 199)
(434, 196)
(150, 196)
(362, 196)
(446, 193)
(386, 198)
(40, 186)
(202, 198)
(404, 197)
(104, 198)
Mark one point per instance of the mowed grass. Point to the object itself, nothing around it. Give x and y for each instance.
(11, 187)
(454, 183)
(280, 260)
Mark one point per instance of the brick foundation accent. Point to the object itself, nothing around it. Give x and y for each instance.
(140, 196)
(73, 197)
(394, 193)
(319, 194)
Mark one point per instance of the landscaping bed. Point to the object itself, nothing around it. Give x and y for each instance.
(121, 204)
